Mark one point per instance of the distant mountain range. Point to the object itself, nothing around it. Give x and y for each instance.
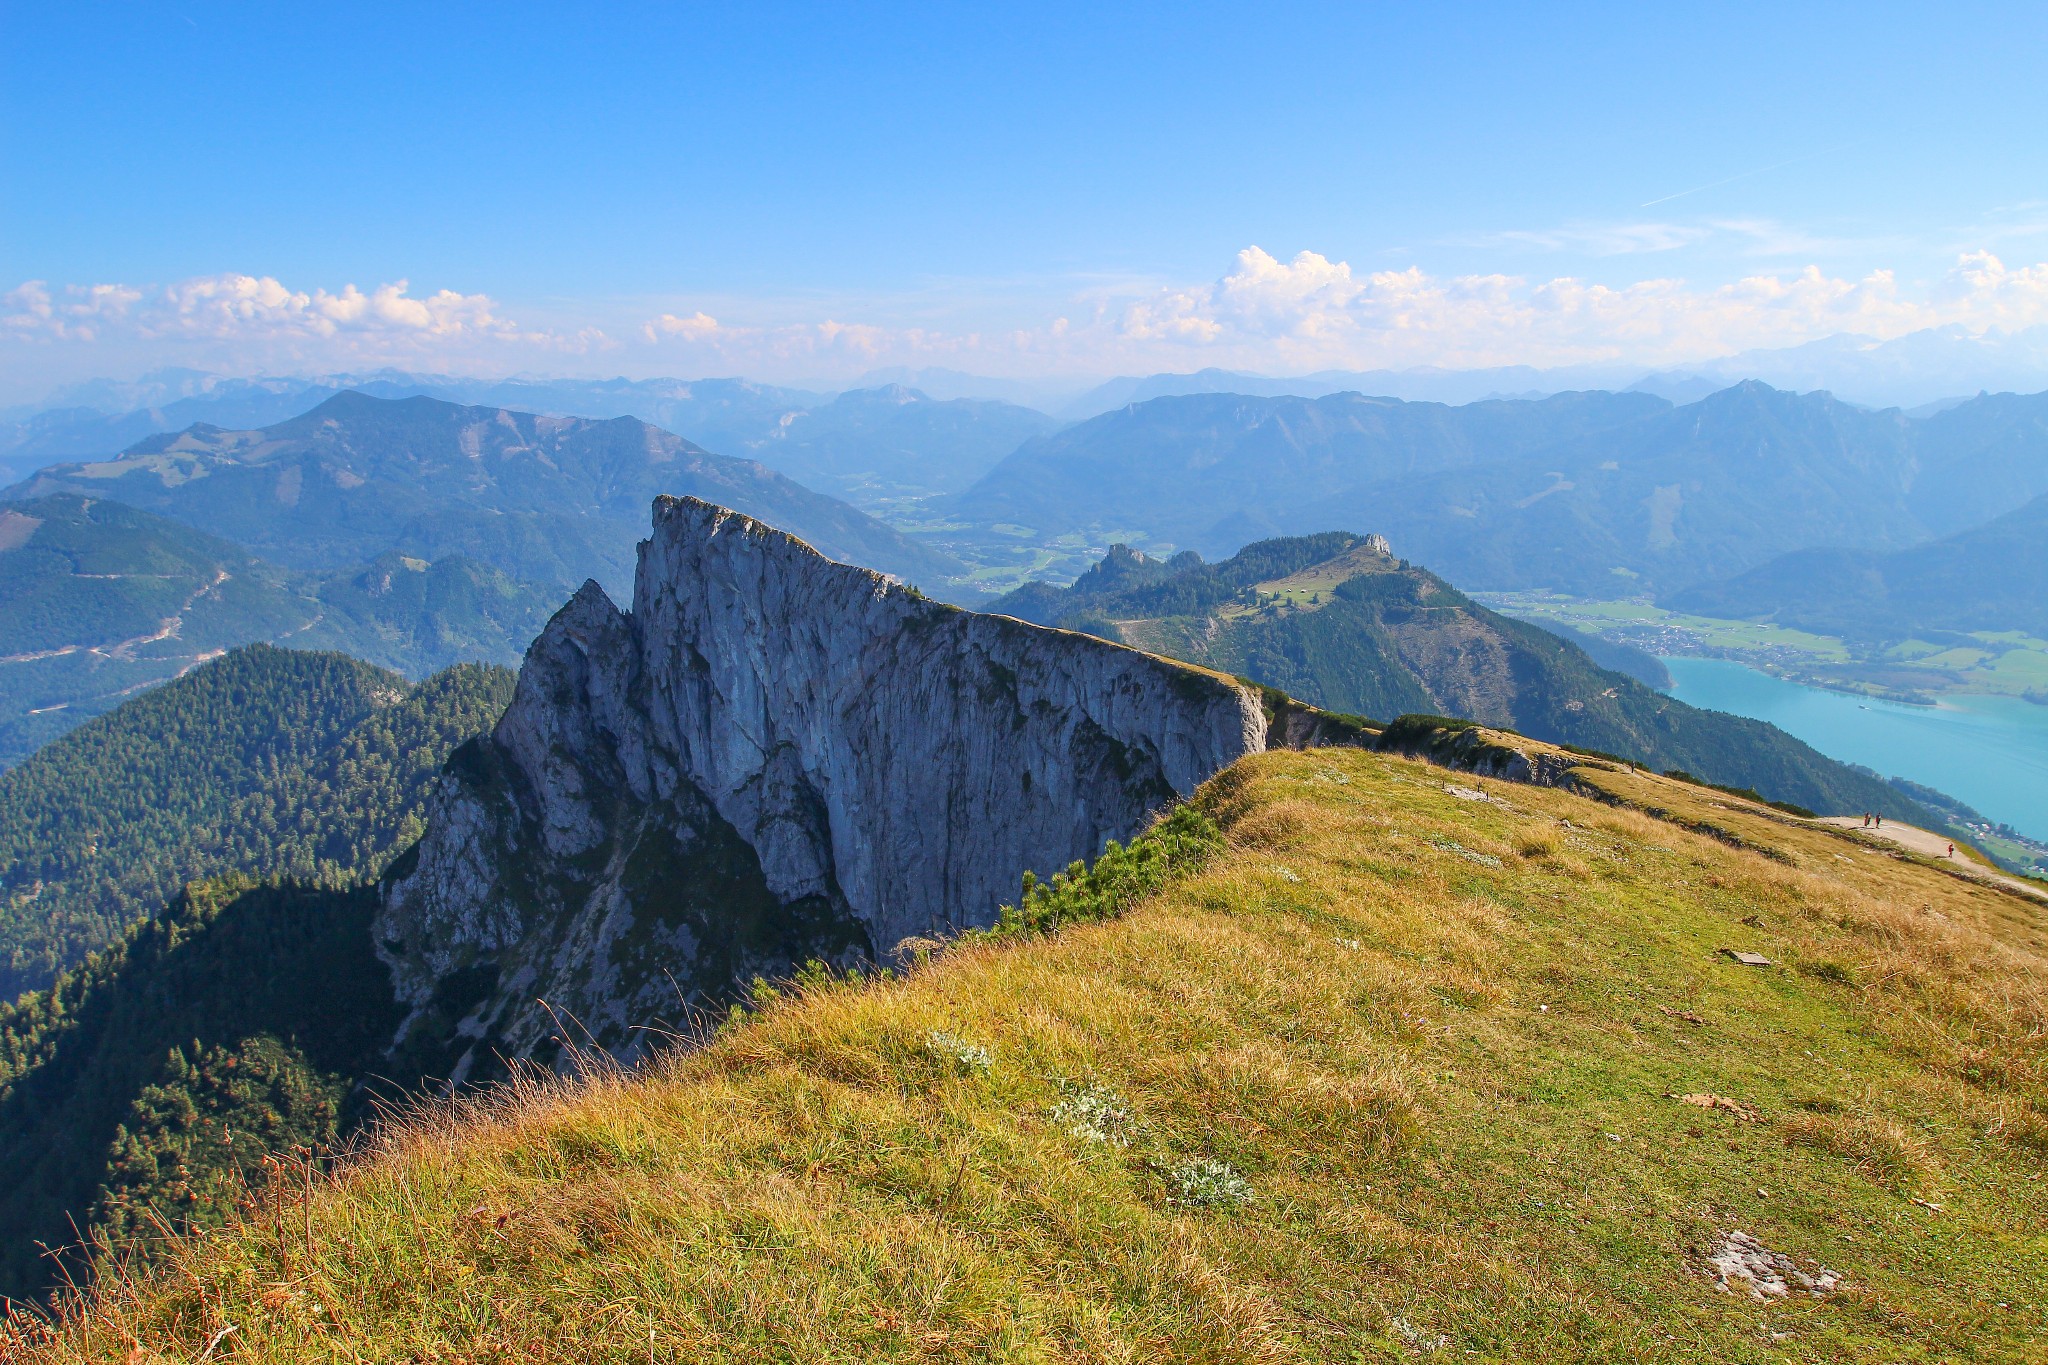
(1214, 471)
(74, 432)
(889, 441)
(99, 600)
(1046, 395)
(1992, 577)
(1424, 384)
(885, 440)
(875, 441)
(1936, 365)
(413, 533)
(1337, 621)
(547, 499)
(1914, 371)
(1586, 493)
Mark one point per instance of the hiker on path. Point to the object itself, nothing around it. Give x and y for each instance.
(1951, 850)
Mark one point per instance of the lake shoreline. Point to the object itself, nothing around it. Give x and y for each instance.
(1989, 751)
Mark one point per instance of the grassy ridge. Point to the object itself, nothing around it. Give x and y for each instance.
(1387, 1077)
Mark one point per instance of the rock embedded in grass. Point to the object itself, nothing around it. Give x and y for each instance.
(1740, 1258)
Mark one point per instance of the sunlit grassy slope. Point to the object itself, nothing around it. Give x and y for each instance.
(1430, 1040)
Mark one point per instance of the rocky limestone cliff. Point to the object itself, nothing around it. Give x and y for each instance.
(773, 757)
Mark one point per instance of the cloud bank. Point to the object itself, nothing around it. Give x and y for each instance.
(1263, 313)
(236, 321)
(1312, 310)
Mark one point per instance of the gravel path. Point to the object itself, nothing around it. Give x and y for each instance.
(1935, 846)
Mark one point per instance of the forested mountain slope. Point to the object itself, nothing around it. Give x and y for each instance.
(861, 445)
(74, 432)
(99, 600)
(1992, 577)
(1336, 621)
(1581, 492)
(550, 499)
(1212, 471)
(150, 1081)
(267, 762)
(1381, 1066)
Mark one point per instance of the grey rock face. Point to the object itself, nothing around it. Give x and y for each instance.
(772, 757)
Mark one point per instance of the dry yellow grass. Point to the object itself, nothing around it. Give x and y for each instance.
(1431, 1038)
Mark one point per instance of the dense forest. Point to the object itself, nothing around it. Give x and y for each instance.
(266, 762)
(161, 1071)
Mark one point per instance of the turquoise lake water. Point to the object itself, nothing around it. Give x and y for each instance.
(1991, 752)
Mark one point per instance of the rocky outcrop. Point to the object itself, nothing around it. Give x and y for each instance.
(772, 757)
(1477, 749)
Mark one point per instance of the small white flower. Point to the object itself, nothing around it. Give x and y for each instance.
(1093, 1113)
(1205, 1183)
(1415, 1339)
(961, 1053)
(1469, 855)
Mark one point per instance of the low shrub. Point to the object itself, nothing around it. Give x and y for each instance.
(1182, 842)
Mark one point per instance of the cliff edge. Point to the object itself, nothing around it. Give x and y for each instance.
(773, 757)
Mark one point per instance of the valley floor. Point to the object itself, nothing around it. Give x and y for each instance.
(1988, 663)
(1395, 1077)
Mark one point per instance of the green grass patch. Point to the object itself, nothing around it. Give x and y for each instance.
(1273, 1104)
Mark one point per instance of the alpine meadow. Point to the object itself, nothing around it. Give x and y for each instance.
(690, 684)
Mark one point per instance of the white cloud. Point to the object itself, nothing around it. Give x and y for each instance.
(78, 314)
(699, 326)
(28, 305)
(234, 307)
(249, 323)
(852, 342)
(1312, 312)
(1315, 311)
(1264, 313)
(240, 305)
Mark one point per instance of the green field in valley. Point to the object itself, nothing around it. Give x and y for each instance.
(2006, 663)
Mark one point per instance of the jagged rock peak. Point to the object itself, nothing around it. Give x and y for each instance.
(1377, 544)
(773, 756)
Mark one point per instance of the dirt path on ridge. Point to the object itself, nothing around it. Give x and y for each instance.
(1934, 846)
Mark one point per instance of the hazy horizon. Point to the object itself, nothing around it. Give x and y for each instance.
(803, 197)
(1928, 367)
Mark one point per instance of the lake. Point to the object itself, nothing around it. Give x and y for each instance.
(1991, 752)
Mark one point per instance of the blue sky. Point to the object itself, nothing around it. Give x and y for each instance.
(789, 190)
